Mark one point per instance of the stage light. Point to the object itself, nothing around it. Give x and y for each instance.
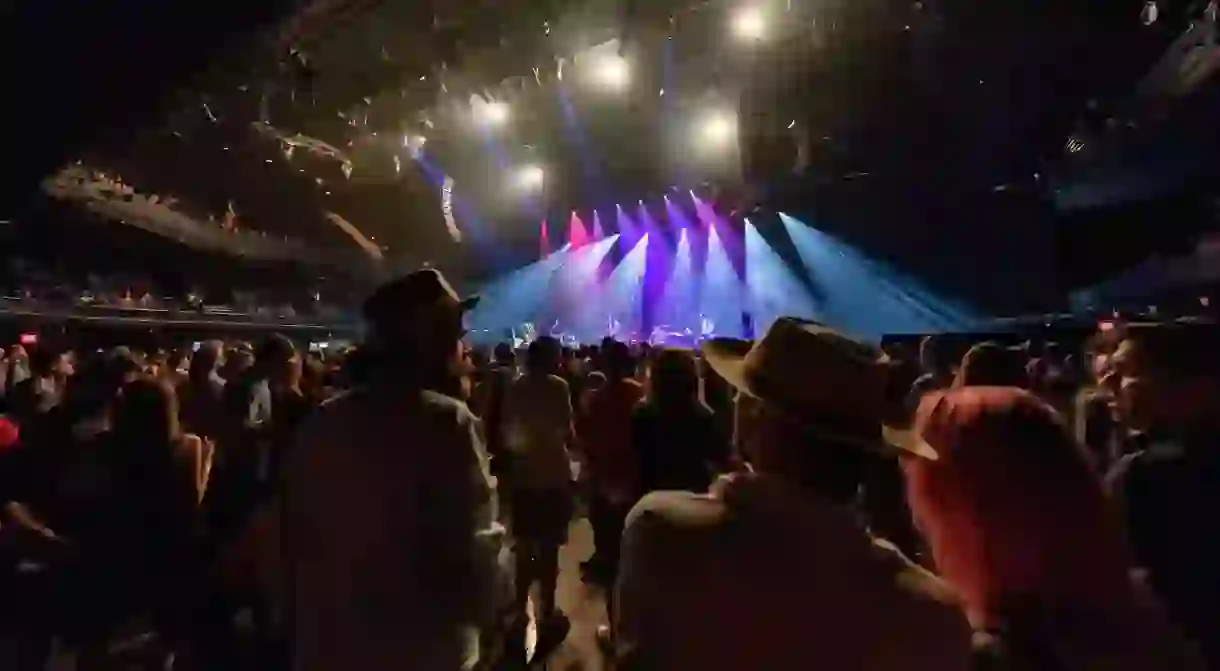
(718, 129)
(613, 72)
(749, 24)
(414, 144)
(495, 113)
(531, 177)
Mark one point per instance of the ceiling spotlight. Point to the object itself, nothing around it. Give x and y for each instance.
(718, 129)
(495, 113)
(613, 72)
(749, 24)
(531, 177)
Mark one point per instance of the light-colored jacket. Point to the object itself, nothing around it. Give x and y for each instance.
(389, 536)
(765, 577)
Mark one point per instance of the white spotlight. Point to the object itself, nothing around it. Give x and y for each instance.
(495, 113)
(749, 24)
(531, 177)
(414, 144)
(718, 129)
(613, 72)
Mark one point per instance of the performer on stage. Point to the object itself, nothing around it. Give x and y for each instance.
(612, 326)
(528, 333)
(707, 327)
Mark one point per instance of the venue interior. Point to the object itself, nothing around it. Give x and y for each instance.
(1025, 176)
(642, 167)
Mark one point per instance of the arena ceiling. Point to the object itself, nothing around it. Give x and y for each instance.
(289, 113)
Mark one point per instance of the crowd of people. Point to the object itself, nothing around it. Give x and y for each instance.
(802, 501)
(28, 285)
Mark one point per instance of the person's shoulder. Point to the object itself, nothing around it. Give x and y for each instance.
(674, 518)
(436, 405)
(557, 382)
(666, 531)
(1150, 464)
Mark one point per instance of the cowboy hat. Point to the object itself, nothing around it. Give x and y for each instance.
(819, 377)
(424, 291)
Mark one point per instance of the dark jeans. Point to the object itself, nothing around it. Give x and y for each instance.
(607, 519)
(540, 521)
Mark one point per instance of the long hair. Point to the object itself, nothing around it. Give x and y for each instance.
(203, 364)
(1012, 510)
(145, 424)
(675, 380)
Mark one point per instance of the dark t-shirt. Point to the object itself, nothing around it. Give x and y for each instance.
(1171, 497)
(677, 447)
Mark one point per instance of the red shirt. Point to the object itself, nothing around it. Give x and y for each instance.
(9, 433)
(604, 430)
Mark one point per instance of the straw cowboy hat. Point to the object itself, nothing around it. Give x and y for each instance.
(819, 377)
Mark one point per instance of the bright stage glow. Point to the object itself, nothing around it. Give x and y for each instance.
(495, 113)
(613, 72)
(750, 24)
(531, 177)
(414, 144)
(718, 129)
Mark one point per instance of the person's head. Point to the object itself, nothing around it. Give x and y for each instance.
(810, 403)
(158, 361)
(206, 360)
(595, 380)
(778, 443)
(675, 378)
(51, 362)
(146, 414)
(278, 361)
(313, 375)
(990, 365)
(120, 367)
(504, 354)
(1169, 377)
(931, 354)
(1011, 509)
(544, 356)
(617, 361)
(416, 329)
(238, 361)
(1098, 351)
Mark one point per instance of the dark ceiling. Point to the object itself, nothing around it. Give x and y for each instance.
(920, 105)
